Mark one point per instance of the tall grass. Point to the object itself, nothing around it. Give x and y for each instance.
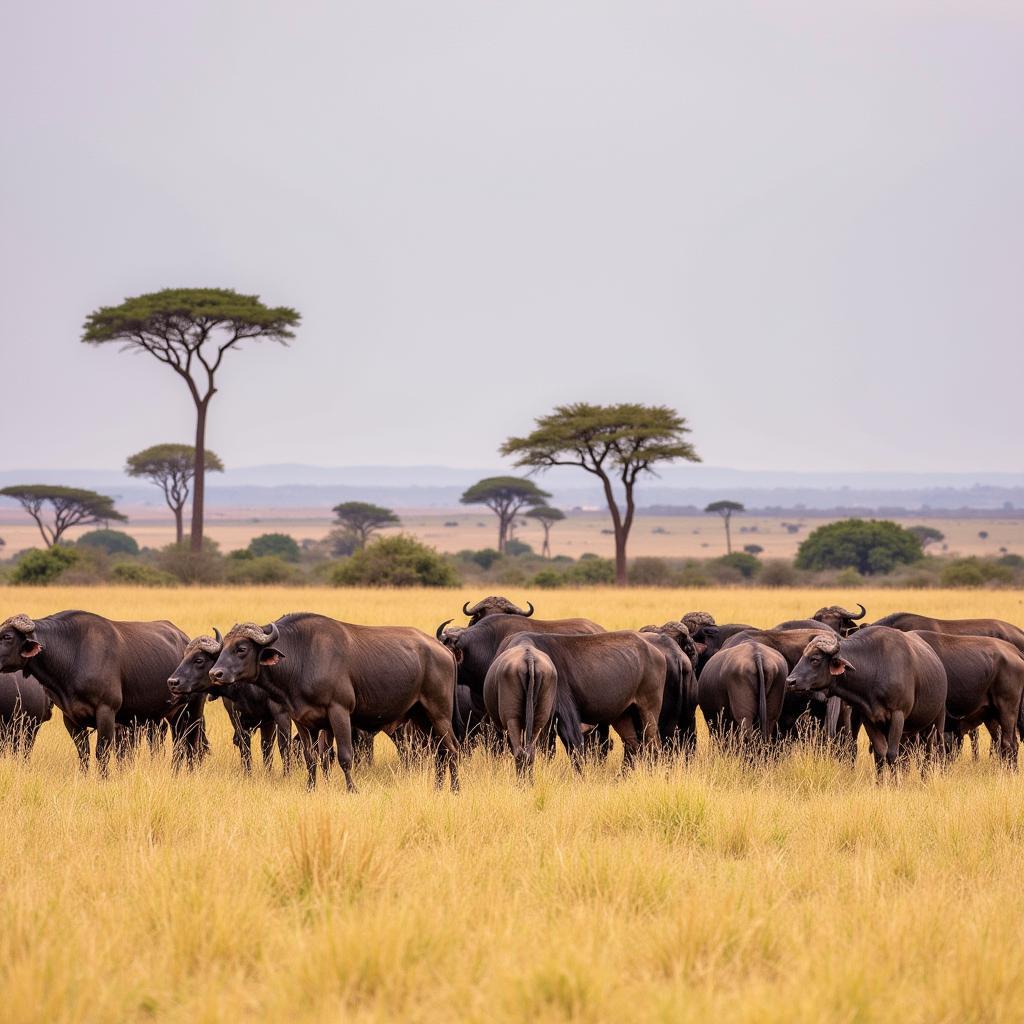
(796, 891)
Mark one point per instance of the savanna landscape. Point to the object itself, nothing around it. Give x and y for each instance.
(794, 889)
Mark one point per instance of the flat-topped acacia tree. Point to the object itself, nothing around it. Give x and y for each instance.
(616, 443)
(70, 506)
(547, 517)
(191, 330)
(361, 519)
(505, 496)
(171, 467)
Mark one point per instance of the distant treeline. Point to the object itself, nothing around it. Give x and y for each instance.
(846, 512)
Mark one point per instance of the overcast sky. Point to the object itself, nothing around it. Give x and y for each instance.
(800, 224)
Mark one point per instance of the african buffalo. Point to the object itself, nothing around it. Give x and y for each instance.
(333, 675)
(708, 636)
(603, 678)
(838, 618)
(985, 683)
(24, 706)
(249, 708)
(741, 687)
(102, 674)
(519, 693)
(494, 605)
(906, 621)
(894, 680)
(677, 722)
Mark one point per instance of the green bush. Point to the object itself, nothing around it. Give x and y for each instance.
(778, 573)
(399, 561)
(241, 555)
(515, 548)
(280, 545)
(341, 542)
(485, 558)
(44, 565)
(114, 542)
(141, 575)
(206, 566)
(262, 569)
(743, 562)
(650, 572)
(548, 579)
(590, 571)
(974, 572)
(869, 546)
(1012, 561)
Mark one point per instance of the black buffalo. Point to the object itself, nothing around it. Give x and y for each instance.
(742, 688)
(24, 706)
(677, 723)
(708, 636)
(103, 674)
(494, 605)
(894, 680)
(332, 675)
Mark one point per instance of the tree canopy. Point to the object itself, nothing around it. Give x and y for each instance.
(616, 443)
(547, 516)
(190, 330)
(869, 546)
(363, 518)
(505, 496)
(726, 509)
(69, 506)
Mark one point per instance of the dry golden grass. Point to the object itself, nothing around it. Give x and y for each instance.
(803, 891)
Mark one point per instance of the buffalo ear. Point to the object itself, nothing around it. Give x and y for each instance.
(837, 666)
(30, 648)
(270, 656)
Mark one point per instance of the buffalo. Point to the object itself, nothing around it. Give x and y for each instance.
(249, 708)
(677, 722)
(519, 693)
(331, 675)
(24, 706)
(894, 680)
(985, 679)
(494, 605)
(708, 636)
(617, 679)
(103, 674)
(742, 687)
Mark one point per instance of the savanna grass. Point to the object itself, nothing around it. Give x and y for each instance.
(794, 888)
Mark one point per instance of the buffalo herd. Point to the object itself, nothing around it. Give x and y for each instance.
(314, 686)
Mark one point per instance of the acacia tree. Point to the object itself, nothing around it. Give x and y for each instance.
(70, 506)
(191, 330)
(725, 509)
(547, 517)
(505, 496)
(616, 443)
(362, 518)
(171, 467)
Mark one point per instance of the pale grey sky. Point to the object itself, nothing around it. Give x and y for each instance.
(801, 224)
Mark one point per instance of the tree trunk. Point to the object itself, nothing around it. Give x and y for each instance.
(728, 537)
(502, 532)
(545, 551)
(199, 476)
(179, 523)
(620, 556)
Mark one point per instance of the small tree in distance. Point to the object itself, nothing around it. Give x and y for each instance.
(547, 517)
(505, 496)
(363, 519)
(191, 330)
(171, 467)
(726, 509)
(609, 441)
(927, 535)
(70, 506)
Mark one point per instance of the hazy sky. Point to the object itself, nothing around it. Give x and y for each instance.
(800, 224)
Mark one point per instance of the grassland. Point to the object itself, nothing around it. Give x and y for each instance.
(799, 891)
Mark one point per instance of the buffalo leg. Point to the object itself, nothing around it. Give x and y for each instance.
(341, 726)
(267, 744)
(892, 752)
(80, 736)
(879, 746)
(243, 740)
(973, 736)
(308, 754)
(439, 712)
(626, 728)
(283, 731)
(105, 731)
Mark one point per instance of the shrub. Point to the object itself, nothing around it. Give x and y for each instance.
(692, 575)
(848, 577)
(280, 545)
(485, 558)
(742, 561)
(399, 561)
(974, 572)
(869, 546)
(650, 572)
(262, 569)
(592, 571)
(548, 579)
(44, 565)
(206, 566)
(1012, 561)
(778, 573)
(927, 535)
(141, 575)
(753, 549)
(341, 542)
(241, 555)
(114, 542)
(515, 548)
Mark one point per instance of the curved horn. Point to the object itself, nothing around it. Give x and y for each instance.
(529, 605)
(218, 637)
(274, 634)
(863, 612)
(440, 629)
(466, 610)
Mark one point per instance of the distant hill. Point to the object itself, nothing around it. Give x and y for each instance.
(296, 486)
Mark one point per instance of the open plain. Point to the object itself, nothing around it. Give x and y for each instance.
(795, 890)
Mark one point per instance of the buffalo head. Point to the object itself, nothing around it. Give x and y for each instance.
(818, 664)
(842, 621)
(451, 638)
(246, 649)
(494, 605)
(678, 632)
(18, 643)
(193, 673)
